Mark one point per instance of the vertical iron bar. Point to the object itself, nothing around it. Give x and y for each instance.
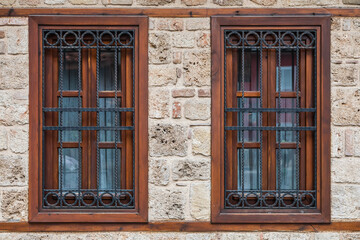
(297, 82)
(242, 115)
(97, 117)
(225, 151)
(79, 120)
(278, 133)
(133, 105)
(61, 114)
(116, 114)
(260, 123)
(315, 117)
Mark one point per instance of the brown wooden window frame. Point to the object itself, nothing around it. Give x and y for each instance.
(220, 214)
(139, 24)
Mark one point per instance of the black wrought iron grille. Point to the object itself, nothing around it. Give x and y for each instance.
(108, 192)
(249, 192)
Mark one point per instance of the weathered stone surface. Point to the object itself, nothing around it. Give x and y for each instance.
(197, 68)
(161, 75)
(14, 114)
(343, 45)
(177, 57)
(117, 2)
(13, 170)
(14, 21)
(176, 110)
(7, 2)
(168, 140)
(83, 2)
(29, 2)
(350, 236)
(159, 173)
(326, 2)
(345, 170)
(54, 2)
(345, 74)
(327, 236)
(184, 92)
(200, 200)
(2, 34)
(197, 109)
(335, 23)
(265, 2)
(346, 106)
(183, 40)
(14, 205)
(193, 2)
(351, 2)
(159, 103)
(345, 202)
(159, 48)
(155, 2)
(18, 140)
(184, 170)
(204, 92)
(201, 141)
(193, 24)
(3, 139)
(337, 142)
(349, 142)
(240, 236)
(228, 2)
(2, 47)
(203, 39)
(14, 72)
(17, 40)
(346, 26)
(169, 24)
(167, 204)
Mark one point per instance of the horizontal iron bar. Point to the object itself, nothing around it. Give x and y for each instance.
(270, 191)
(88, 109)
(273, 47)
(87, 128)
(95, 47)
(271, 128)
(86, 190)
(270, 110)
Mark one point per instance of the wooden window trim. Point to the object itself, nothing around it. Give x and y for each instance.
(140, 213)
(218, 213)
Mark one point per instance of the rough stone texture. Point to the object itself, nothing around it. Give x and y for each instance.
(159, 103)
(159, 46)
(117, 2)
(345, 74)
(3, 139)
(17, 40)
(54, 2)
(200, 200)
(204, 92)
(12, 76)
(29, 2)
(185, 170)
(83, 2)
(2, 47)
(229, 2)
(177, 57)
(184, 92)
(327, 236)
(13, 170)
(197, 24)
(2, 34)
(176, 110)
(351, 2)
(345, 170)
(265, 2)
(341, 195)
(14, 204)
(170, 24)
(159, 172)
(337, 142)
(201, 141)
(203, 39)
(346, 106)
(183, 40)
(168, 204)
(167, 140)
(196, 68)
(345, 45)
(160, 76)
(13, 21)
(193, 2)
(349, 142)
(7, 2)
(19, 140)
(155, 2)
(197, 110)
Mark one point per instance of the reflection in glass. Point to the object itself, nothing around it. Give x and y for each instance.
(251, 169)
(70, 168)
(69, 119)
(286, 120)
(251, 70)
(107, 119)
(107, 71)
(251, 119)
(107, 169)
(288, 168)
(287, 72)
(70, 72)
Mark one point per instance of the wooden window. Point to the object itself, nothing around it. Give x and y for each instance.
(88, 119)
(270, 87)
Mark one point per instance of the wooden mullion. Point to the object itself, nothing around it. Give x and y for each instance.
(128, 120)
(69, 93)
(248, 94)
(302, 119)
(248, 145)
(264, 115)
(110, 94)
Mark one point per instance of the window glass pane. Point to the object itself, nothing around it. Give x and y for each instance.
(70, 168)
(287, 168)
(249, 119)
(70, 74)
(251, 169)
(287, 72)
(107, 71)
(107, 119)
(107, 169)
(251, 70)
(286, 120)
(69, 119)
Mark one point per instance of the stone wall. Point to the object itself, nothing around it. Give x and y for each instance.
(179, 126)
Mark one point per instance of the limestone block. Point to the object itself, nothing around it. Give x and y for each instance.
(204, 92)
(228, 2)
(203, 39)
(2, 47)
(201, 141)
(2, 34)
(345, 74)
(346, 106)
(184, 170)
(352, 2)
(337, 142)
(169, 24)
(168, 140)
(346, 26)
(193, 24)
(202, 236)
(83, 2)
(159, 172)
(14, 204)
(349, 142)
(159, 103)
(183, 93)
(200, 200)
(183, 39)
(159, 48)
(29, 2)
(7, 2)
(300, 2)
(13, 21)
(196, 68)
(155, 2)
(13, 169)
(342, 45)
(197, 109)
(350, 236)
(265, 2)
(17, 40)
(176, 110)
(161, 75)
(240, 236)
(3, 139)
(345, 170)
(19, 140)
(167, 203)
(177, 57)
(345, 202)
(14, 72)
(335, 23)
(327, 236)
(14, 114)
(193, 2)
(54, 2)
(117, 2)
